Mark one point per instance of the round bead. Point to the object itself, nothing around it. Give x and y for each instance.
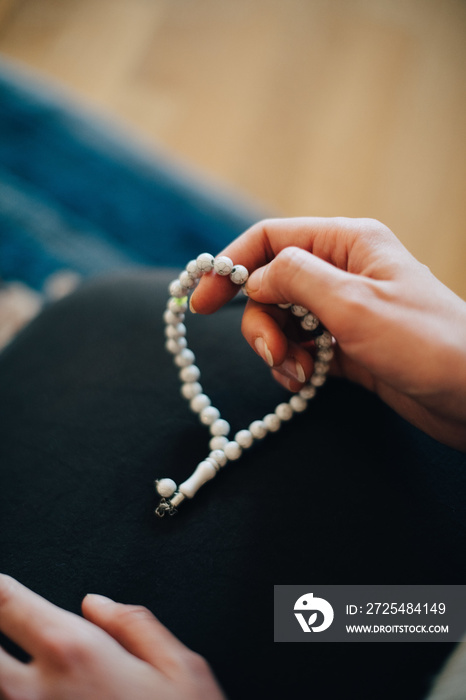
(320, 367)
(187, 280)
(205, 262)
(220, 427)
(178, 306)
(165, 487)
(193, 269)
(232, 450)
(239, 274)
(199, 402)
(272, 422)
(298, 310)
(173, 345)
(310, 322)
(218, 442)
(190, 390)
(258, 429)
(223, 265)
(284, 411)
(244, 438)
(170, 318)
(184, 358)
(324, 340)
(219, 456)
(209, 415)
(285, 306)
(325, 354)
(176, 289)
(307, 392)
(298, 404)
(318, 379)
(175, 331)
(191, 373)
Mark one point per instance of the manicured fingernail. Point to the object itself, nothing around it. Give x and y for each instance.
(254, 281)
(263, 350)
(100, 599)
(191, 306)
(293, 369)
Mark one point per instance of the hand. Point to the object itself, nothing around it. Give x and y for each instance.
(400, 332)
(119, 652)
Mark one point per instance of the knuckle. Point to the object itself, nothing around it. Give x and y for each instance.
(6, 589)
(196, 663)
(65, 650)
(128, 614)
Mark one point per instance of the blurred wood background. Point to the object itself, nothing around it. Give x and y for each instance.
(315, 107)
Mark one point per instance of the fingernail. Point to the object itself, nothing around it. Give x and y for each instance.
(254, 281)
(293, 369)
(100, 599)
(263, 350)
(191, 306)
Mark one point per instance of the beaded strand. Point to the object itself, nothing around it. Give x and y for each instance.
(222, 448)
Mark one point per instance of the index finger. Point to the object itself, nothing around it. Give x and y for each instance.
(259, 245)
(26, 617)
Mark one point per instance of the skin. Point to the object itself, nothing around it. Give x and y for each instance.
(117, 652)
(400, 332)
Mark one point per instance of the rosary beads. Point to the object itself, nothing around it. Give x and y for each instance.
(223, 449)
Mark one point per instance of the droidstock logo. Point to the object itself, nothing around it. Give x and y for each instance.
(308, 603)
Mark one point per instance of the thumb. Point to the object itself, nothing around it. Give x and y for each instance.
(137, 630)
(297, 276)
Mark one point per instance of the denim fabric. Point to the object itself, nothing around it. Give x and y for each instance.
(80, 194)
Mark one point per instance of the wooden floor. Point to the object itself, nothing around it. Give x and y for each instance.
(325, 107)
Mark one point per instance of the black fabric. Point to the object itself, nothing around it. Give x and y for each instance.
(345, 493)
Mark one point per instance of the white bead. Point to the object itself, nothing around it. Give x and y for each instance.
(258, 429)
(232, 450)
(170, 317)
(219, 456)
(187, 280)
(298, 404)
(272, 422)
(318, 379)
(284, 411)
(184, 358)
(165, 487)
(239, 274)
(244, 438)
(176, 289)
(298, 310)
(285, 306)
(307, 392)
(218, 442)
(320, 367)
(175, 331)
(220, 427)
(324, 340)
(193, 269)
(191, 373)
(310, 322)
(223, 265)
(190, 390)
(209, 415)
(212, 461)
(205, 262)
(178, 306)
(203, 472)
(325, 354)
(173, 345)
(199, 402)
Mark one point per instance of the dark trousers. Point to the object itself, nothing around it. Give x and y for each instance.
(346, 493)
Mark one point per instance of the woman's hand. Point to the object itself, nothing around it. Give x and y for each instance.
(119, 652)
(400, 332)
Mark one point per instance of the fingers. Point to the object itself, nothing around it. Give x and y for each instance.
(15, 677)
(25, 616)
(138, 631)
(262, 326)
